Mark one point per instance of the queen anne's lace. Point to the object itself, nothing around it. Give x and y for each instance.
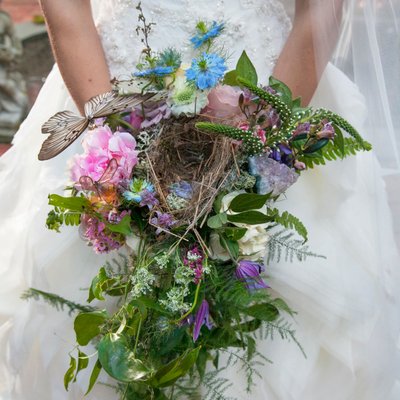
(259, 26)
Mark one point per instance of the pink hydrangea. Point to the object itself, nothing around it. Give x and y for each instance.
(223, 103)
(100, 146)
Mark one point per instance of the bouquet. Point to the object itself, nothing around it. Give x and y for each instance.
(184, 186)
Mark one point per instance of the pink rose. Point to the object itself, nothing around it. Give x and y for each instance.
(223, 103)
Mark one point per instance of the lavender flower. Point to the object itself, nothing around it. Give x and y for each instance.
(301, 129)
(327, 132)
(182, 189)
(152, 112)
(249, 273)
(202, 318)
(163, 221)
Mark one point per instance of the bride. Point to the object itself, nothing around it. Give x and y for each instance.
(348, 305)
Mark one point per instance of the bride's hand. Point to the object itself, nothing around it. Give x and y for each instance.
(309, 47)
(77, 48)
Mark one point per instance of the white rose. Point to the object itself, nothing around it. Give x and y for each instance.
(252, 244)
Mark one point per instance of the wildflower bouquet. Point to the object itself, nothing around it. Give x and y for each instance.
(185, 185)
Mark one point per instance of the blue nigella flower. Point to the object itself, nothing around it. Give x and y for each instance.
(202, 318)
(142, 192)
(249, 273)
(206, 70)
(156, 71)
(203, 37)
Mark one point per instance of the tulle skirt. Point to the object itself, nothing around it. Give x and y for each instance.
(348, 318)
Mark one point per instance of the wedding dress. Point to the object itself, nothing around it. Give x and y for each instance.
(348, 305)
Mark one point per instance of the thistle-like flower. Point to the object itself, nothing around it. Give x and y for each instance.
(156, 71)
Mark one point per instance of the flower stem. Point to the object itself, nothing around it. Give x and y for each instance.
(196, 297)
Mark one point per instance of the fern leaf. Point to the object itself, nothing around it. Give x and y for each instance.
(289, 221)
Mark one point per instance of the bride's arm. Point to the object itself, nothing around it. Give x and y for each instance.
(309, 46)
(77, 48)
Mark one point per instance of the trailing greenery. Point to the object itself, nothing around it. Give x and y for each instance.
(284, 244)
(332, 152)
(56, 301)
(289, 221)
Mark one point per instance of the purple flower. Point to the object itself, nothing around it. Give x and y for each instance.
(182, 189)
(301, 129)
(151, 113)
(202, 318)
(327, 132)
(148, 199)
(194, 260)
(249, 273)
(163, 221)
(283, 154)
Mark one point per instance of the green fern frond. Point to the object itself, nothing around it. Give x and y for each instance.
(272, 99)
(284, 244)
(289, 221)
(56, 301)
(331, 152)
(252, 144)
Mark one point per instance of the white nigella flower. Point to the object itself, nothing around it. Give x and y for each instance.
(185, 98)
(252, 245)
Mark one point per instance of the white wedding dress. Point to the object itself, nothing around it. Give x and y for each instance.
(348, 305)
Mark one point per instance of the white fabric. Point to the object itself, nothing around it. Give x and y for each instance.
(348, 315)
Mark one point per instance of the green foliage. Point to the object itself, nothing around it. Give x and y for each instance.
(245, 69)
(284, 244)
(334, 151)
(69, 375)
(55, 301)
(58, 217)
(250, 218)
(289, 221)
(93, 376)
(87, 326)
(119, 361)
(248, 201)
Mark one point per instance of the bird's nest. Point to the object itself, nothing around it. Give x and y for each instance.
(183, 153)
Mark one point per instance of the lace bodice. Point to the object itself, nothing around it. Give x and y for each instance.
(258, 26)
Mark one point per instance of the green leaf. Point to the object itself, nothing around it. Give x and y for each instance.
(282, 305)
(339, 140)
(170, 373)
(264, 312)
(251, 347)
(217, 221)
(249, 326)
(248, 201)
(230, 78)
(70, 203)
(234, 234)
(87, 326)
(119, 361)
(93, 376)
(201, 362)
(124, 226)
(83, 362)
(245, 69)
(230, 245)
(316, 146)
(283, 89)
(100, 283)
(249, 218)
(69, 375)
